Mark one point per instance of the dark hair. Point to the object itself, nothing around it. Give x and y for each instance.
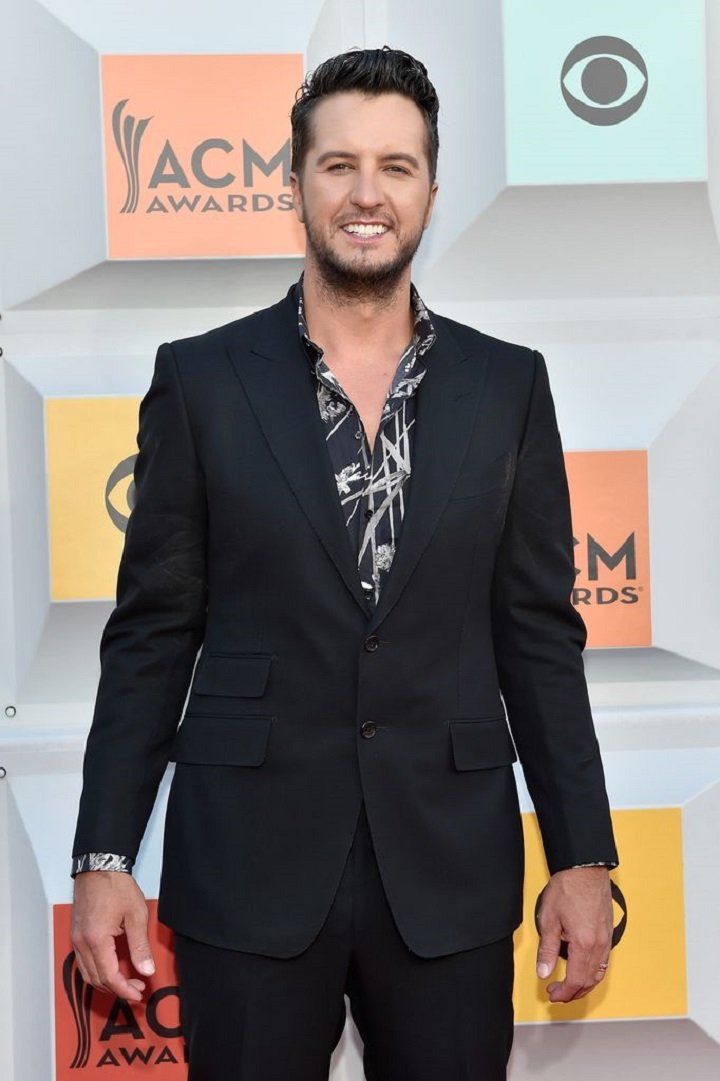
(372, 72)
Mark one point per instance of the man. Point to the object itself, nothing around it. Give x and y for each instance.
(359, 511)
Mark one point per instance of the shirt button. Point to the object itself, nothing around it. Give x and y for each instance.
(368, 729)
(371, 643)
(358, 435)
(369, 513)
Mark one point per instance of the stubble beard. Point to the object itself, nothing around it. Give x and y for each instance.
(353, 280)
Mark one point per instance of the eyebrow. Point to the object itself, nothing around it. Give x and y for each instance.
(346, 154)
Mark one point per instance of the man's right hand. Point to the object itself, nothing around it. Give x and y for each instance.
(109, 904)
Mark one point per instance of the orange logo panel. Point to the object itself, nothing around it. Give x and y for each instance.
(95, 1030)
(197, 155)
(609, 497)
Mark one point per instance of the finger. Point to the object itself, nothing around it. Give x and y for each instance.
(602, 971)
(83, 969)
(137, 939)
(86, 964)
(578, 974)
(548, 953)
(111, 977)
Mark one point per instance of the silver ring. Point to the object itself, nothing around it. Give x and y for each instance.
(603, 965)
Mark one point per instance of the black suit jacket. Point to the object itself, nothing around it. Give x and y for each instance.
(237, 543)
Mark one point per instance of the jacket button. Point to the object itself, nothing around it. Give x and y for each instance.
(368, 729)
(371, 643)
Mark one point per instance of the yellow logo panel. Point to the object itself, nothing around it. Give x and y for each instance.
(647, 976)
(90, 456)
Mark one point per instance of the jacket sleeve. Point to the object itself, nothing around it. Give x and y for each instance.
(539, 638)
(150, 643)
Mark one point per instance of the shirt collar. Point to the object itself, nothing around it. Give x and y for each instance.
(423, 330)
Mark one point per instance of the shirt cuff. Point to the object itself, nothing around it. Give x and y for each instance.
(101, 861)
(598, 863)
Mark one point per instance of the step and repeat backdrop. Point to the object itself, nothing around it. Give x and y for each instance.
(147, 197)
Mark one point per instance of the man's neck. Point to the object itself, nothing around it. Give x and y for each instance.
(344, 326)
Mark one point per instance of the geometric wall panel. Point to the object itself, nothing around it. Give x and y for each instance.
(684, 466)
(648, 964)
(93, 1030)
(600, 93)
(90, 492)
(609, 496)
(193, 166)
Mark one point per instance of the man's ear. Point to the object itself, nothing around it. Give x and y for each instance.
(431, 204)
(296, 192)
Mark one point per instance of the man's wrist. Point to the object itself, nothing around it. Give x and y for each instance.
(101, 861)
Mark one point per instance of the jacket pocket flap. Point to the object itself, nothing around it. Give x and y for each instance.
(240, 675)
(222, 741)
(481, 744)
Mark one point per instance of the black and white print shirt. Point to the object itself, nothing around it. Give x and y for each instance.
(372, 485)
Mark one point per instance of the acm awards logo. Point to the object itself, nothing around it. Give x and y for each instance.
(604, 80)
(596, 556)
(197, 172)
(122, 1040)
(117, 512)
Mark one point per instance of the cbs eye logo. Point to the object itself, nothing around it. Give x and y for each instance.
(120, 499)
(604, 80)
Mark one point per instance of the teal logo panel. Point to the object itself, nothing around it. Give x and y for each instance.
(605, 92)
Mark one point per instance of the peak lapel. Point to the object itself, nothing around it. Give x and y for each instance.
(448, 399)
(280, 388)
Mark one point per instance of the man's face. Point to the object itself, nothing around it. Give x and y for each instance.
(365, 194)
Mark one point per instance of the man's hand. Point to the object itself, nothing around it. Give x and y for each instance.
(577, 908)
(109, 904)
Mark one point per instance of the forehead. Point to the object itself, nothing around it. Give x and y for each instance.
(354, 121)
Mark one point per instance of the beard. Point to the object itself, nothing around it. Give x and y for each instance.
(355, 279)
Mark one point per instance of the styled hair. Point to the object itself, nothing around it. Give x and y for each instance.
(372, 72)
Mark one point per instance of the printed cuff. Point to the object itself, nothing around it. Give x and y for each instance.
(101, 861)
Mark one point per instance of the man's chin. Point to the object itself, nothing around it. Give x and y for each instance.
(366, 272)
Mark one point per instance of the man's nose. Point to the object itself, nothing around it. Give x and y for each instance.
(366, 189)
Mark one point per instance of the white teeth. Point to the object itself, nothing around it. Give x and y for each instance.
(365, 230)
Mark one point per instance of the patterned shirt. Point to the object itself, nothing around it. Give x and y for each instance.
(372, 485)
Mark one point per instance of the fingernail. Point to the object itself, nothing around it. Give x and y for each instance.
(543, 970)
(147, 967)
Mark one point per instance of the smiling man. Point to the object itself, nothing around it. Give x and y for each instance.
(356, 510)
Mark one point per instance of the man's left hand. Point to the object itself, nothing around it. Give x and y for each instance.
(576, 908)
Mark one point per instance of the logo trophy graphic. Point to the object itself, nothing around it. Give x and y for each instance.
(79, 995)
(128, 133)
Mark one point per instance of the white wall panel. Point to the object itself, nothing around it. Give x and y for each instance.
(684, 466)
(51, 217)
(701, 845)
(181, 26)
(464, 56)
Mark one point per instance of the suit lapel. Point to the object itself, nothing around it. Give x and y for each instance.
(280, 387)
(447, 404)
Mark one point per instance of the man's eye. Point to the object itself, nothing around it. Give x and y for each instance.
(400, 169)
(340, 165)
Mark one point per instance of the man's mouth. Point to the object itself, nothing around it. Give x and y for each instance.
(365, 229)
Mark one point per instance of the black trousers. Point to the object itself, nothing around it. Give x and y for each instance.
(248, 1017)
